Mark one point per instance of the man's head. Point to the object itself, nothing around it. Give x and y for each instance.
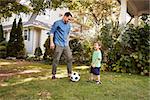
(67, 17)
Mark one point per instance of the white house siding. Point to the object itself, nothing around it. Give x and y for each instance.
(7, 35)
(38, 35)
(29, 41)
(33, 40)
(43, 39)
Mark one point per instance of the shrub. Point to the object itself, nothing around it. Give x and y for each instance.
(38, 52)
(20, 41)
(11, 46)
(48, 54)
(133, 51)
(3, 46)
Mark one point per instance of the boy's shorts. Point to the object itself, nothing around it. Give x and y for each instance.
(95, 70)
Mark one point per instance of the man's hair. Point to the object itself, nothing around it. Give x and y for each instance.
(68, 14)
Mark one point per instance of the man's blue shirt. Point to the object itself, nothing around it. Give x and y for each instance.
(60, 31)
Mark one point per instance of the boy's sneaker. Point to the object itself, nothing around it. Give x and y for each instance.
(98, 82)
(53, 77)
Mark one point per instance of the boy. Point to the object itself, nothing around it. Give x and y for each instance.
(96, 63)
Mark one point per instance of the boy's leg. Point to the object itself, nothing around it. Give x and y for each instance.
(98, 78)
(57, 53)
(68, 55)
(97, 75)
(91, 77)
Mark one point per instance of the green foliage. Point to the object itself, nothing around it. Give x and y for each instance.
(3, 46)
(81, 51)
(97, 12)
(7, 8)
(48, 54)
(38, 52)
(1, 34)
(3, 43)
(106, 37)
(77, 51)
(12, 45)
(20, 41)
(132, 53)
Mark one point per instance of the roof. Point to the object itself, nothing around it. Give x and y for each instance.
(138, 7)
(37, 23)
(33, 23)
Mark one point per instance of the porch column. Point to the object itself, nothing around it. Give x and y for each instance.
(122, 19)
(136, 20)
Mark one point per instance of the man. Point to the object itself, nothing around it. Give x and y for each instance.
(59, 40)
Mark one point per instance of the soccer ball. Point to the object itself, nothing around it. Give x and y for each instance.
(75, 77)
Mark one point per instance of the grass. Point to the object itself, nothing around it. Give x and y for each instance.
(39, 86)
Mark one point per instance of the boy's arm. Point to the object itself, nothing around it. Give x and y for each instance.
(94, 64)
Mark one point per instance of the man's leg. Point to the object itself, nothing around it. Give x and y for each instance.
(68, 55)
(57, 54)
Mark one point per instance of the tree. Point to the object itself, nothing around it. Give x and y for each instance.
(36, 6)
(2, 43)
(1, 34)
(11, 47)
(11, 6)
(95, 13)
(20, 41)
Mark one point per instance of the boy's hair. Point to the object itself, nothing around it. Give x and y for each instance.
(98, 42)
(68, 14)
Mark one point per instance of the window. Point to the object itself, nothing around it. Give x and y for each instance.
(29, 34)
(25, 34)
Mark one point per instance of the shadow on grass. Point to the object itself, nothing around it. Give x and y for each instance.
(15, 78)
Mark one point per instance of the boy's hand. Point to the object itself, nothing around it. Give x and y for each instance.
(93, 65)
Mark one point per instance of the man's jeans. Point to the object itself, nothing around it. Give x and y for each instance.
(57, 54)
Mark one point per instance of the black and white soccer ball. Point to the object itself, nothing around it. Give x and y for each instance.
(75, 77)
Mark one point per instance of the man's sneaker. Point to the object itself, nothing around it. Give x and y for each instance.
(69, 76)
(53, 77)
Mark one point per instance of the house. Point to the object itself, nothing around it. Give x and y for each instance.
(135, 8)
(35, 28)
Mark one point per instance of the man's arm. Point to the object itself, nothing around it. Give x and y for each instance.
(52, 45)
(53, 29)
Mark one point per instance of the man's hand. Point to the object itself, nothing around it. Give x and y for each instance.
(52, 45)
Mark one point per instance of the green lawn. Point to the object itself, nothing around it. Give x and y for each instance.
(32, 81)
